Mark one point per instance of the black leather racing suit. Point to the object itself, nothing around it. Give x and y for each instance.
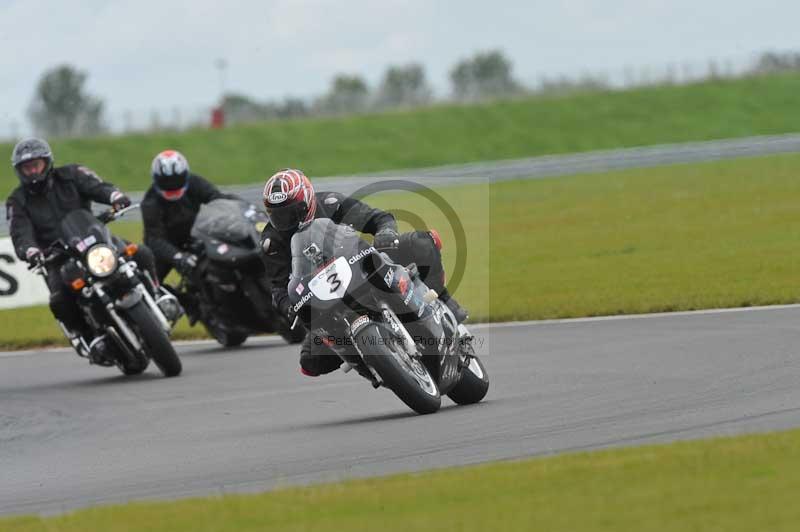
(415, 246)
(168, 224)
(34, 220)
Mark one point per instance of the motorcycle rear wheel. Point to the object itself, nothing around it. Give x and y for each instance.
(473, 385)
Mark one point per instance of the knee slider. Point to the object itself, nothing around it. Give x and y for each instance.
(319, 364)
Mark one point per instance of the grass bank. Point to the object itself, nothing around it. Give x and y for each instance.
(451, 133)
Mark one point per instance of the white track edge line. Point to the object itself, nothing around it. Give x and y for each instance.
(477, 326)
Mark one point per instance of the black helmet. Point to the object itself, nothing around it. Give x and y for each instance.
(29, 150)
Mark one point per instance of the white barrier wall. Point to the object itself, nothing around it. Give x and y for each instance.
(18, 286)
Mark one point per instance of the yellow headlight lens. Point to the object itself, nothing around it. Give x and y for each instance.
(101, 260)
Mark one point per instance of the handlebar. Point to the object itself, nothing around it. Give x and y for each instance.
(51, 254)
(56, 249)
(111, 215)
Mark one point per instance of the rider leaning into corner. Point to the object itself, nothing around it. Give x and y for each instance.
(34, 209)
(169, 209)
(290, 201)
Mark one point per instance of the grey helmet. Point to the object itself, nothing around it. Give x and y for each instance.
(27, 150)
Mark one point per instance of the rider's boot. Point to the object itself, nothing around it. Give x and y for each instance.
(190, 304)
(458, 311)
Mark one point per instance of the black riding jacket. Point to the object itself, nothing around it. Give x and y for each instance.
(333, 205)
(168, 224)
(34, 220)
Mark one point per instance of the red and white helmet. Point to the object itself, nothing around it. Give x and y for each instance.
(289, 199)
(170, 171)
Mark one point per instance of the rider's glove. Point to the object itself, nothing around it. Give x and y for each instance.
(185, 263)
(386, 239)
(34, 255)
(119, 200)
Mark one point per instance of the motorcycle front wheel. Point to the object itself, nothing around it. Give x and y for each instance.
(223, 337)
(405, 375)
(155, 340)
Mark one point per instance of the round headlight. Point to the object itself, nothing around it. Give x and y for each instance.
(101, 260)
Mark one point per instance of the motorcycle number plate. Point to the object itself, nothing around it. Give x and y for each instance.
(332, 282)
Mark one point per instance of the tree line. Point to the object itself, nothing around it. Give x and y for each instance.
(62, 106)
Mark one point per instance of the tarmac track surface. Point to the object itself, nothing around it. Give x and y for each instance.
(241, 420)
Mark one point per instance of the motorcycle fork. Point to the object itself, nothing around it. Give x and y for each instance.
(123, 327)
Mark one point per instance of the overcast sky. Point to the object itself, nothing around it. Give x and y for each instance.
(161, 53)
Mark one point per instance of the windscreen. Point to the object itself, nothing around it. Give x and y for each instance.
(81, 230)
(319, 242)
(228, 220)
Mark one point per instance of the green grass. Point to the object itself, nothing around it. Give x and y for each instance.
(682, 237)
(734, 484)
(451, 133)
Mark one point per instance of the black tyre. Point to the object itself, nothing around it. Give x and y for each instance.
(224, 336)
(406, 376)
(232, 339)
(155, 340)
(128, 362)
(473, 385)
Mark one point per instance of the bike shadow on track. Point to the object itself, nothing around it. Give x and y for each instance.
(151, 375)
(408, 414)
(216, 349)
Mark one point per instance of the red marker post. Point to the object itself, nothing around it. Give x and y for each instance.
(217, 118)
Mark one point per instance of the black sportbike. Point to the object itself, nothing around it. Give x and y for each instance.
(381, 319)
(228, 291)
(118, 299)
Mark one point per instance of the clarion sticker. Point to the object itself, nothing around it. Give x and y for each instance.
(277, 197)
(360, 255)
(302, 302)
